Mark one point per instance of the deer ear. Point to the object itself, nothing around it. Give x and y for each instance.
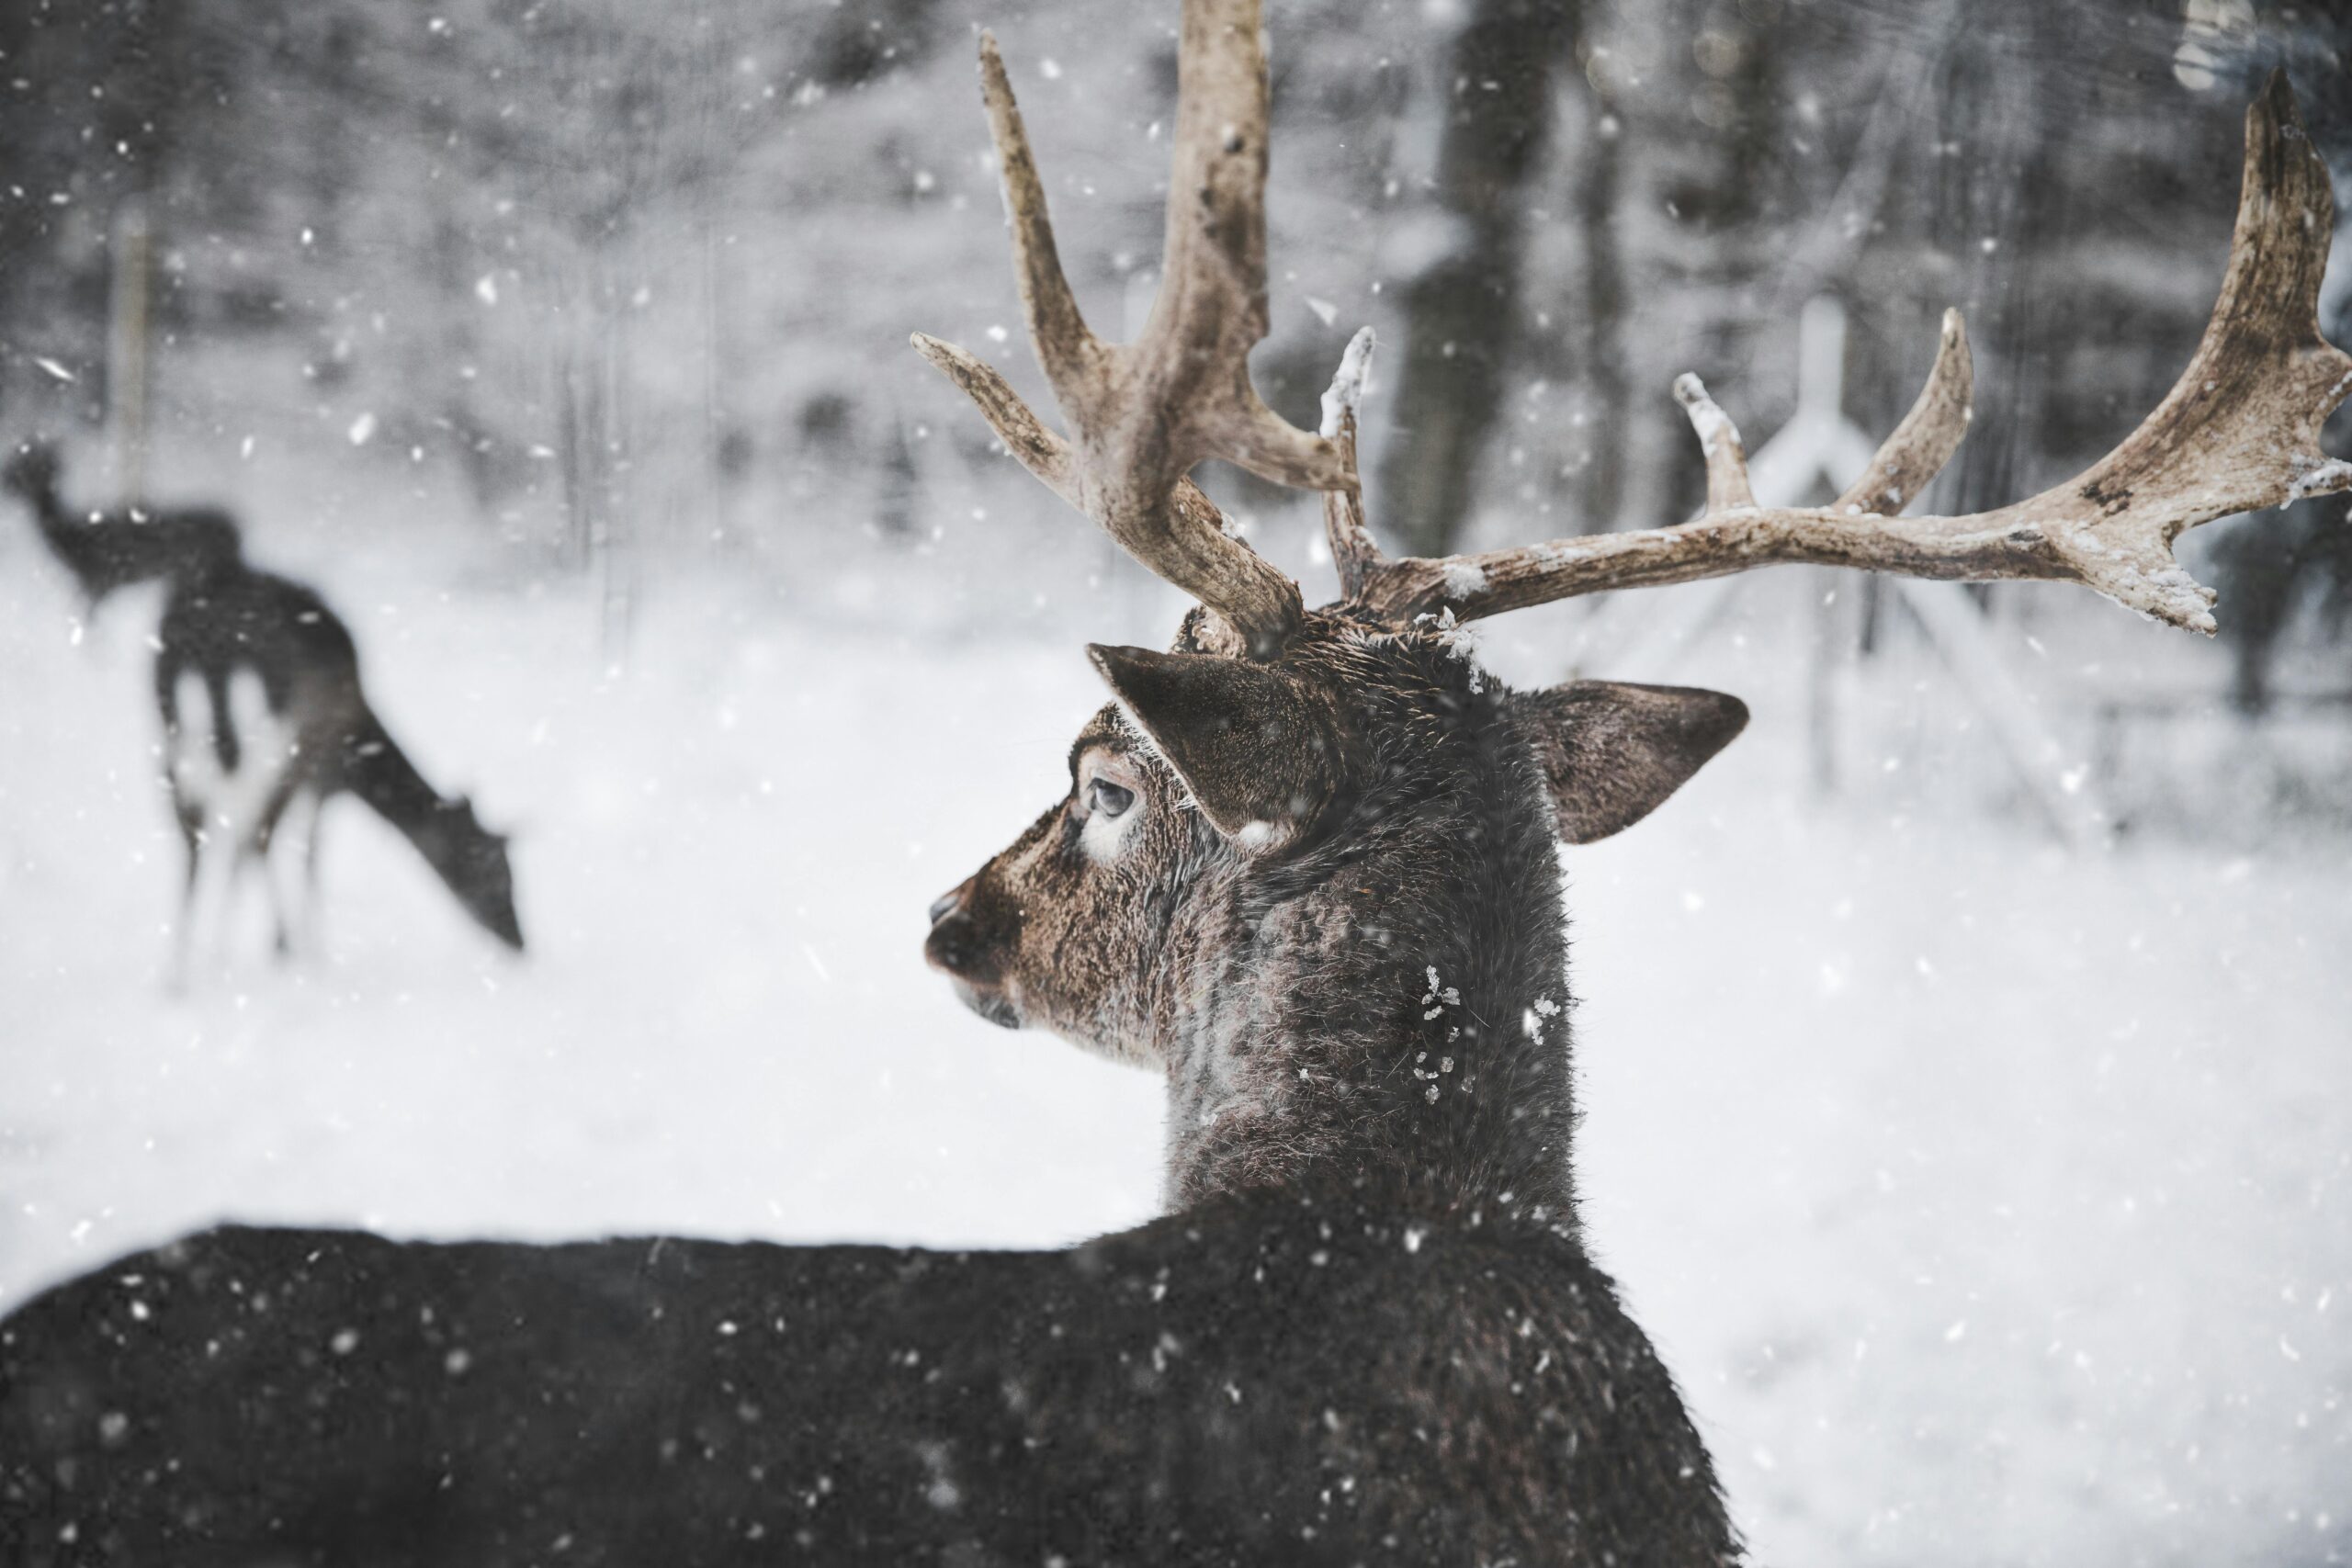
(1612, 752)
(1253, 745)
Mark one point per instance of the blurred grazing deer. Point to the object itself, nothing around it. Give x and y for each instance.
(1306, 869)
(264, 719)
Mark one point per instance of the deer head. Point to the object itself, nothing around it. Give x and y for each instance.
(31, 471)
(471, 861)
(1304, 864)
(1319, 892)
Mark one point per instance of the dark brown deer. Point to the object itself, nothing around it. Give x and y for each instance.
(257, 682)
(1305, 867)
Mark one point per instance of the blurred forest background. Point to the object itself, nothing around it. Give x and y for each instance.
(1964, 1051)
(621, 286)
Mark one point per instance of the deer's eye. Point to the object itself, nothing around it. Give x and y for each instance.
(1104, 798)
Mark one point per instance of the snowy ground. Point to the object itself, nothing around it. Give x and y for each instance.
(1991, 1201)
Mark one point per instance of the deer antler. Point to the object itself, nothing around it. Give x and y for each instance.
(2239, 430)
(1141, 415)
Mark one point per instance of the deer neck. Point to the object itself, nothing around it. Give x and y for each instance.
(1387, 1012)
(376, 770)
(63, 532)
(49, 511)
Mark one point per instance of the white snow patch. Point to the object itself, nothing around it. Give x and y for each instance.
(2335, 474)
(1346, 391)
(1464, 579)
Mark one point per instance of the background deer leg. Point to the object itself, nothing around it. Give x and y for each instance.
(263, 846)
(233, 854)
(291, 860)
(313, 910)
(217, 855)
(189, 767)
(192, 838)
(289, 817)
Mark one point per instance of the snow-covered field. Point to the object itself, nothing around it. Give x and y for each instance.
(1993, 1202)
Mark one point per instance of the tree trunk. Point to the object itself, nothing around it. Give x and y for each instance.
(1600, 360)
(1462, 312)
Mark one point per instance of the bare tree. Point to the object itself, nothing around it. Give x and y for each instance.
(1463, 311)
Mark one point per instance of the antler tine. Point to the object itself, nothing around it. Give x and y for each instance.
(1928, 435)
(2238, 431)
(1353, 551)
(1142, 414)
(1719, 440)
(1065, 348)
(1040, 450)
(1211, 308)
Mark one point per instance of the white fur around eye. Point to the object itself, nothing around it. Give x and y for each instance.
(1104, 838)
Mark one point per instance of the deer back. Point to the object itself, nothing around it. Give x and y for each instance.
(1297, 1378)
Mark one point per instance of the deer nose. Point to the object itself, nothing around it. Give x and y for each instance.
(955, 944)
(946, 948)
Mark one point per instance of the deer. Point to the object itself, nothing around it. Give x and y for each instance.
(256, 682)
(1307, 868)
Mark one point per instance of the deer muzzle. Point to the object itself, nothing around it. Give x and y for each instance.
(962, 948)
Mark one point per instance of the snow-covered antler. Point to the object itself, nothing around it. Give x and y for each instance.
(2239, 430)
(1142, 414)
